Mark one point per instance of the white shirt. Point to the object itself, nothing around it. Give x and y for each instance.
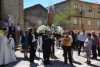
(82, 37)
(18, 28)
(33, 38)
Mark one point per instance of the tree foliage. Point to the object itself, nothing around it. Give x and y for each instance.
(64, 17)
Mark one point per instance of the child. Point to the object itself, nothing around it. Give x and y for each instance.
(11, 51)
(88, 46)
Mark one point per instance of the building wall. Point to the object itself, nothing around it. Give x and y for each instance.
(94, 16)
(14, 8)
(63, 5)
(84, 24)
(32, 17)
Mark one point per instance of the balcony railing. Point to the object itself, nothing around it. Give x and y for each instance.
(75, 26)
(79, 13)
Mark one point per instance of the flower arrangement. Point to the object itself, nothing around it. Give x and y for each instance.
(42, 29)
(56, 30)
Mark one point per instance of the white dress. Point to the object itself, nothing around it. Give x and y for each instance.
(3, 50)
(39, 42)
(11, 52)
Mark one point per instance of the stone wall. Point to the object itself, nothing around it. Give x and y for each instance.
(14, 8)
(32, 17)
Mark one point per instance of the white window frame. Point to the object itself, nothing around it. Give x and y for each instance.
(89, 22)
(80, 8)
(39, 22)
(75, 21)
(98, 23)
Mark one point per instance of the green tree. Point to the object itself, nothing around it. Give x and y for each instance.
(64, 17)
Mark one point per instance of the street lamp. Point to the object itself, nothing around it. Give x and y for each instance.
(95, 6)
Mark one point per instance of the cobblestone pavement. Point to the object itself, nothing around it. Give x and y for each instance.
(79, 61)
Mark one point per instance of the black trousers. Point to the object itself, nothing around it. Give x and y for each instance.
(81, 44)
(35, 47)
(63, 50)
(52, 49)
(32, 53)
(94, 52)
(67, 51)
(46, 55)
(77, 44)
(98, 50)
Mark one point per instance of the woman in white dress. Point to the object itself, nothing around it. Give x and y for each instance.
(11, 51)
(4, 48)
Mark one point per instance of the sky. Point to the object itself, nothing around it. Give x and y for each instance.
(46, 3)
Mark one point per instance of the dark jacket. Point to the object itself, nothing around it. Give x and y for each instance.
(10, 29)
(47, 42)
(30, 38)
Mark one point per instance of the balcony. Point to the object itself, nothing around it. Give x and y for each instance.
(75, 26)
(79, 13)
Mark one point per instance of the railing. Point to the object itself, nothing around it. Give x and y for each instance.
(79, 13)
(75, 26)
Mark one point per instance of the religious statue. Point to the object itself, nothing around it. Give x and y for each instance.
(51, 15)
(11, 19)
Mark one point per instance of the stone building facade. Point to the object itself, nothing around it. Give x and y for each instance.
(35, 16)
(14, 9)
(86, 17)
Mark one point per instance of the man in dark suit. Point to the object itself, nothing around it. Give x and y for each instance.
(12, 30)
(31, 41)
(46, 47)
(36, 37)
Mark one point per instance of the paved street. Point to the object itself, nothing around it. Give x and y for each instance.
(79, 61)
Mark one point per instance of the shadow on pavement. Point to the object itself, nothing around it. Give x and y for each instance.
(58, 63)
(37, 58)
(54, 57)
(34, 65)
(77, 62)
(92, 65)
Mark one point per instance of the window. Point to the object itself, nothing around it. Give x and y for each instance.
(98, 10)
(98, 23)
(76, 6)
(75, 21)
(90, 9)
(80, 8)
(80, 23)
(89, 22)
(39, 12)
(39, 22)
(57, 9)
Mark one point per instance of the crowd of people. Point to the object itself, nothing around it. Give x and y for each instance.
(46, 43)
(70, 41)
(7, 54)
(8, 41)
